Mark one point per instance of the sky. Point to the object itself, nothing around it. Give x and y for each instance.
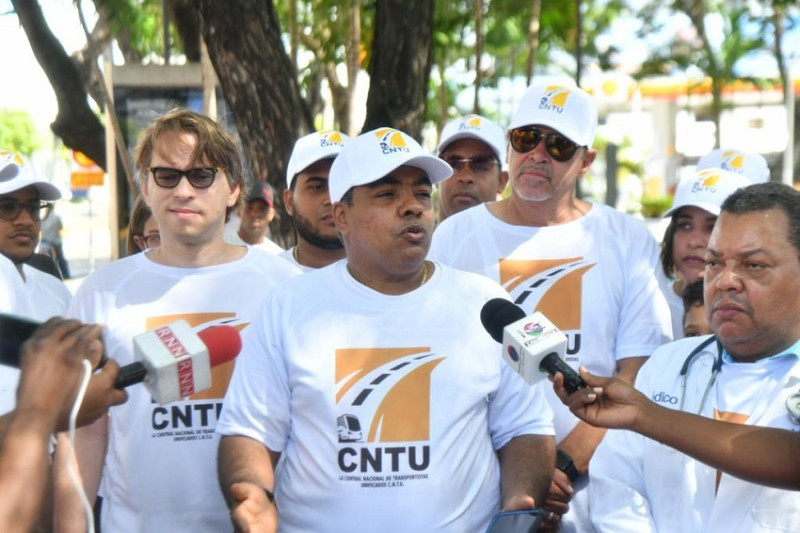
(29, 89)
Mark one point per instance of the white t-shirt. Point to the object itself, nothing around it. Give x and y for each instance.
(594, 278)
(38, 297)
(674, 301)
(231, 236)
(160, 472)
(289, 256)
(387, 409)
(638, 484)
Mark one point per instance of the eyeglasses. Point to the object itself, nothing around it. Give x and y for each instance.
(523, 140)
(10, 208)
(152, 241)
(478, 164)
(199, 178)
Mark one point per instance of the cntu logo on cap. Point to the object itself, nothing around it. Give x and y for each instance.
(472, 122)
(555, 98)
(11, 157)
(733, 160)
(330, 138)
(391, 141)
(706, 181)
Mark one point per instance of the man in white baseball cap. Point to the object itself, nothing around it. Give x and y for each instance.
(587, 267)
(307, 200)
(749, 164)
(358, 360)
(476, 149)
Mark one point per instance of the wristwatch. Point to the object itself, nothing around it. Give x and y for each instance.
(565, 464)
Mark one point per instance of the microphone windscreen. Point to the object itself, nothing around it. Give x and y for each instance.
(223, 342)
(497, 313)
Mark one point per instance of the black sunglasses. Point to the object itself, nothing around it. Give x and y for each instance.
(525, 139)
(10, 208)
(478, 164)
(199, 178)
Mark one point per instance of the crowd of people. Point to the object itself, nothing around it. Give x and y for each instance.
(367, 395)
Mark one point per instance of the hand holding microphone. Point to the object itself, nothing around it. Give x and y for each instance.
(532, 345)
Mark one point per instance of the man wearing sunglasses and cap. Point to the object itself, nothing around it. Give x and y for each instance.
(476, 148)
(373, 382)
(157, 461)
(587, 267)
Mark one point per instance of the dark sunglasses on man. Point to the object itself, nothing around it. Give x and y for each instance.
(199, 178)
(525, 139)
(10, 209)
(479, 164)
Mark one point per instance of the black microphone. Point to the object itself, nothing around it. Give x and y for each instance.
(531, 344)
(14, 331)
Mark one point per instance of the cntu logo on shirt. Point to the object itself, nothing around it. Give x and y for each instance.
(391, 140)
(706, 180)
(555, 99)
(330, 138)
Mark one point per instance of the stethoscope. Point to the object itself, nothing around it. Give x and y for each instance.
(792, 402)
(715, 368)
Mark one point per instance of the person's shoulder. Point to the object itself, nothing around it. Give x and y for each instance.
(114, 274)
(674, 353)
(270, 263)
(470, 281)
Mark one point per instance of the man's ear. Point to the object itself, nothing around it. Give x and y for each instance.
(340, 212)
(288, 201)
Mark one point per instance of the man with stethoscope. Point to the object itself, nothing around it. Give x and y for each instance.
(743, 374)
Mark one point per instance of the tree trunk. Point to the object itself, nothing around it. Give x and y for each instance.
(400, 65)
(533, 39)
(257, 78)
(76, 123)
(478, 8)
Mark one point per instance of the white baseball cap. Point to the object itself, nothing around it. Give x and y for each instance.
(374, 154)
(474, 127)
(15, 175)
(707, 189)
(311, 148)
(569, 110)
(751, 165)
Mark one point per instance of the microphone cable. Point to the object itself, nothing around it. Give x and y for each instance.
(73, 474)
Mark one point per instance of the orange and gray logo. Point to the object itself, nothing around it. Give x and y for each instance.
(733, 160)
(391, 140)
(383, 394)
(470, 123)
(555, 98)
(553, 287)
(330, 138)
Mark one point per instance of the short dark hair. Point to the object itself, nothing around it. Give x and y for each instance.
(765, 196)
(692, 295)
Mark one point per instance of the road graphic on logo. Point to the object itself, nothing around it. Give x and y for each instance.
(383, 394)
(553, 287)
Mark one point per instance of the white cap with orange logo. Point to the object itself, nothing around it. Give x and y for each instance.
(707, 189)
(374, 154)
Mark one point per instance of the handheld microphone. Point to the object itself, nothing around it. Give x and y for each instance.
(532, 345)
(174, 362)
(14, 331)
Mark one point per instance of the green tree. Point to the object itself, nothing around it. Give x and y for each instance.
(690, 51)
(18, 132)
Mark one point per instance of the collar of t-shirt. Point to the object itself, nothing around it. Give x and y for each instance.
(794, 350)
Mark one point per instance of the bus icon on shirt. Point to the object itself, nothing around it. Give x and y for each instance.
(349, 428)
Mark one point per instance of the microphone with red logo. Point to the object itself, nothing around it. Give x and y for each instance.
(532, 345)
(174, 361)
